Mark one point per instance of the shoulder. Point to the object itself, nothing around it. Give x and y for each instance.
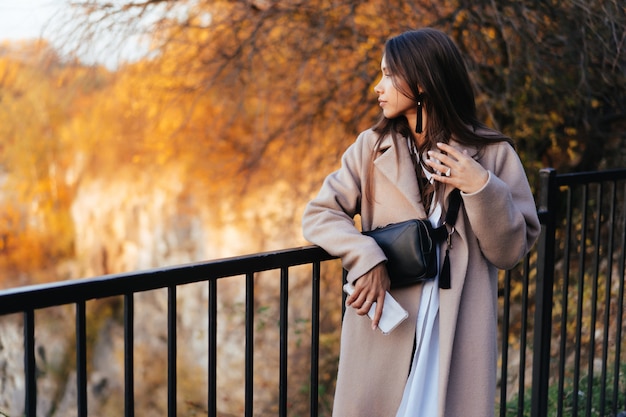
(500, 153)
(501, 159)
(497, 150)
(496, 147)
(363, 146)
(367, 139)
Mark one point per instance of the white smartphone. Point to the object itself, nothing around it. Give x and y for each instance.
(393, 312)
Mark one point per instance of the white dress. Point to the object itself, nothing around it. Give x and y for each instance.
(420, 396)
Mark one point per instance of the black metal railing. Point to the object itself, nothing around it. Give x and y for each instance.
(575, 354)
(27, 300)
(582, 248)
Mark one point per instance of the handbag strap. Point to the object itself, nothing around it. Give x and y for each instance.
(441, 233)
(453, 207)
(451, 216)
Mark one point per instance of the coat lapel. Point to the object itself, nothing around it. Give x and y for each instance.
(394, 162)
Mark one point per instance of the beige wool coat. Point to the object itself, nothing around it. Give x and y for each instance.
(496, 227)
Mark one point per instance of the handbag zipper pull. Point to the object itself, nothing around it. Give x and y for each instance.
(449, 237)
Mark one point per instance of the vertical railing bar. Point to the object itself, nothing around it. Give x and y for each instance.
(564, 302)
(315, 339)
(249, 354)
(607, 296)
(594, 300)
(30, 367)
(580, 301)
(505, 342)
(81, 358)
(620, 309)
(544, 294)
(172, 384)
(212, 348)
(284, 298)
(523, 337)
(129, 355)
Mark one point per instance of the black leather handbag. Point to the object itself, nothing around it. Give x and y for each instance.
(411, 247)
(411, 250)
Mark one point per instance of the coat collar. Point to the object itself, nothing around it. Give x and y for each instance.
(394, 162)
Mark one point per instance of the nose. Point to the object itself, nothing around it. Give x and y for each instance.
(377, 88)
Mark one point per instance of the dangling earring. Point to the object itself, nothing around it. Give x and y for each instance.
(418, 125)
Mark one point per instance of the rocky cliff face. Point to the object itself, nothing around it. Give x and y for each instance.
(145, 223)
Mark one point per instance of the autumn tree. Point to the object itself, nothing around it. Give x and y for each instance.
(554, 74)
(294, 78)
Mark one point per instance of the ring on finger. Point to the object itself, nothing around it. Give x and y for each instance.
(448, 172)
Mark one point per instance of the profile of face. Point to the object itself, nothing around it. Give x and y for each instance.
(391, 98)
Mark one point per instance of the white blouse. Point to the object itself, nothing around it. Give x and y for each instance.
(420, 396)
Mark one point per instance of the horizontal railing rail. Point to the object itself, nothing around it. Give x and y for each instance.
(16, 300)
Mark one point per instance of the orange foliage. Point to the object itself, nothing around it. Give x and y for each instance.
(240, 96)
(37, 161)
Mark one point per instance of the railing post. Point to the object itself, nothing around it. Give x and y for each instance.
(544, 292)
(315, 339)
(30, 367)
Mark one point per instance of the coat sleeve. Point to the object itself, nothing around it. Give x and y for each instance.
(503, 215)
(328, 219)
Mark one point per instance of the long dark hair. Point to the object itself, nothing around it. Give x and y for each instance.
(428, 61)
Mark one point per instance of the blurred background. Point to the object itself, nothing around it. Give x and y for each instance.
(140, 134)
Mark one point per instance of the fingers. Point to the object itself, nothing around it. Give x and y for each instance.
(368, 307)
(439, 166)
(365, 307)
(452, 156)
(369, 291)
(444, 163)
(457, 168)
(363, 301)
(451, 150)
(359, 300)
(378, 312)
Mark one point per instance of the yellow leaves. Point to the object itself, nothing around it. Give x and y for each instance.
(37, 100)
(233, 93)
(489, 32)
(8, 76)
(26, 246)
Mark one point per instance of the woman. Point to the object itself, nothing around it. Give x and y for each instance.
(442, 360)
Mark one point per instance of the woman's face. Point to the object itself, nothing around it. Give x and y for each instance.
(393, 102)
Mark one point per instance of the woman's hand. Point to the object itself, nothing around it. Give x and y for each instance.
(457, 168)
(368, 289)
